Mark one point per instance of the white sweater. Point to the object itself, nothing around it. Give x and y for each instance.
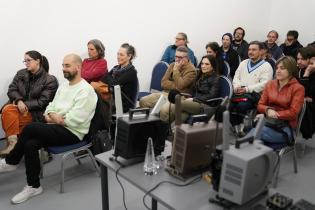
(76, 103)
(253, 78)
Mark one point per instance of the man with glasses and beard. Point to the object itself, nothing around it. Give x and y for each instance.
(68, 119)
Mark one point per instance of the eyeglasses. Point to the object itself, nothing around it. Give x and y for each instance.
(27, 61)
(179, 38)
(180, 57)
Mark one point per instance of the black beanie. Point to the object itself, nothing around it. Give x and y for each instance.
(228, 34)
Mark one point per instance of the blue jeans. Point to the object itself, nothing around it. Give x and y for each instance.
(275, 139)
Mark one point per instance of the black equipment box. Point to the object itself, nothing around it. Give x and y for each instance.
(133, 132)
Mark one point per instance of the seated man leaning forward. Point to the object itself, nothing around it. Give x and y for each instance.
(68, 119)
(180, 75)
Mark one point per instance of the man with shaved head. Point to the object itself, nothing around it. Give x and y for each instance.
(68, 119)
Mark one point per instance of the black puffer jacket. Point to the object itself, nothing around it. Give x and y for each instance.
(35, 90)
(207, 87)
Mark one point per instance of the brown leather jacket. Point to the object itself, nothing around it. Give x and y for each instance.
(182, 80)
(35, 90)
(287, 102)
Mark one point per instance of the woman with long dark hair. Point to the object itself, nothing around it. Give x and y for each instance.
(29, 93)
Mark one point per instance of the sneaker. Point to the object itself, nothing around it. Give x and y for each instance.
(26, 193)
(4, 167)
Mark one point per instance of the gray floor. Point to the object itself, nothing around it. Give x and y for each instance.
(82, 187)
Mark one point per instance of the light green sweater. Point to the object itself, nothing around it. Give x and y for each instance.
(76, 103)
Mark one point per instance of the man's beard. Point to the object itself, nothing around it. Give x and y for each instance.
(70, 76)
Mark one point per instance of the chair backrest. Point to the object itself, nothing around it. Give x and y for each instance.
(226, 88)
(300, 118)
(157, 74)
(118, 102)
(226, 70)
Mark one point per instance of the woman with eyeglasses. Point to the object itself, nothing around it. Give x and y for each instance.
(94, 67)
(180, 40)
(29, 93)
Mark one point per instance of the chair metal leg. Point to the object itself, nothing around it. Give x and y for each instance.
(62, 174)
(62, 171)
(294, 160)
(276, 175)
(94, 162)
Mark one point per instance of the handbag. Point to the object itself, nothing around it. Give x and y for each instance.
(278, 125)
(102, 89)
(253, 97)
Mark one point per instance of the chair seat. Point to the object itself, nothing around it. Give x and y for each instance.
(142, 94)
(62, 149)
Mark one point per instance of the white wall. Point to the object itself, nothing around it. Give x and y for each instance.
(288, 15)
(58, 27)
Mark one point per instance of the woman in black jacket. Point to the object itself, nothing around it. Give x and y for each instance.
(125, 75)
(29, 93)
(206, 87)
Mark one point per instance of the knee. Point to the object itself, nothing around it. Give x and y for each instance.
(164, 114)
(142, 102)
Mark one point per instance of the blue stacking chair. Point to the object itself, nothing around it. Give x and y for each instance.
(157, 74)
(81, 149)
(226, 70)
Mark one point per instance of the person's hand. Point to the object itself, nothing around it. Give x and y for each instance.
(240, 90)
(22, 107)
(308, 99)
(177, 66)
(48, 119)
(309, 70)
(56, 118)
(272, 113)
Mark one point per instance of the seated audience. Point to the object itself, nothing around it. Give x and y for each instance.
(213, 49)
(273, 49)
(291, 44)
(29, 93)
(94, 67)
(206, 87)
(250, 78)
(267, 56)
(306, 58)
(228, 54)
(281, 102)
(179, 76)
(181, 40)
(239, 44)
(125, 75)
(68, 119)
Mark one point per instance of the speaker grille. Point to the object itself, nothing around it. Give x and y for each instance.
(179, 148)
(233, 174)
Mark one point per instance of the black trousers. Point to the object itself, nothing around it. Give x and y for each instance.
(238, 110)
(33, 137)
